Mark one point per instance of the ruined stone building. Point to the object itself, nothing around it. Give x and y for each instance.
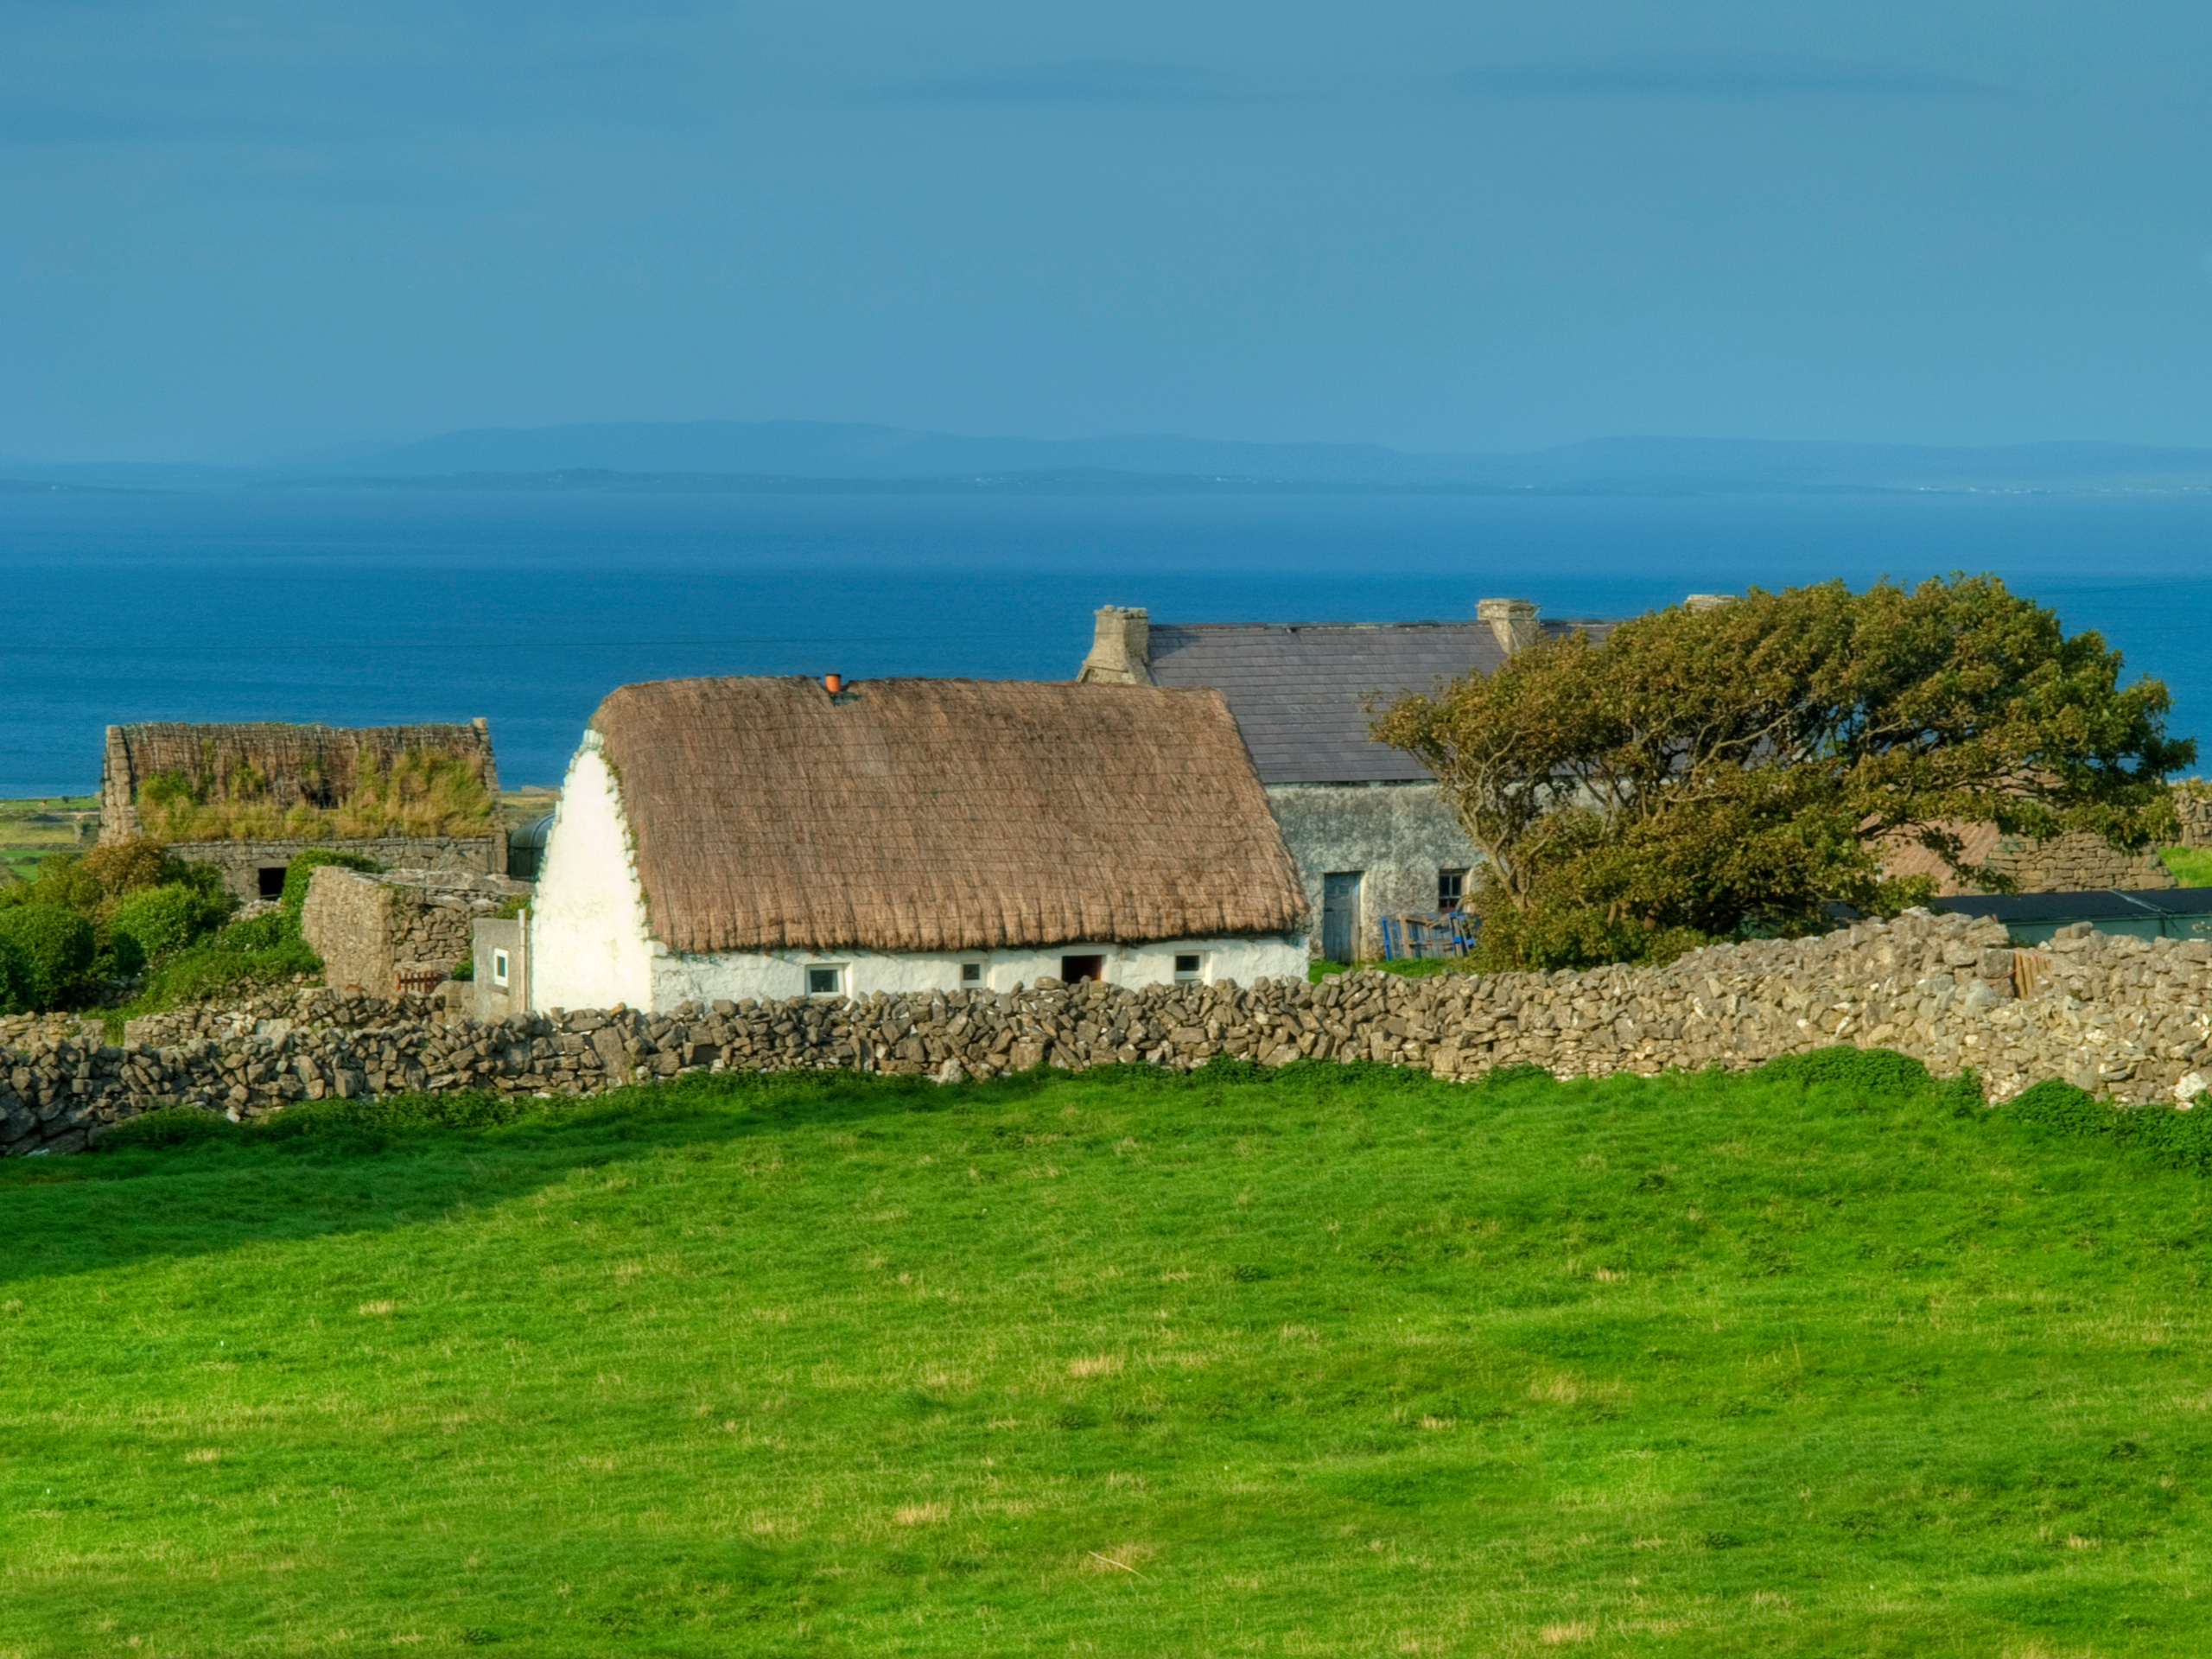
(249, 797)
(1372, 835)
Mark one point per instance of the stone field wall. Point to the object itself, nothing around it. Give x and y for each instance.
(2123, 1017)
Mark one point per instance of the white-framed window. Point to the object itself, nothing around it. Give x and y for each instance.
(498, 967)
(972, 975)
(1190, 967)
(825, 979)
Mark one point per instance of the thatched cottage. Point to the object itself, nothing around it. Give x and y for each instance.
(248, 797)
(734, 838)
(1372, 836)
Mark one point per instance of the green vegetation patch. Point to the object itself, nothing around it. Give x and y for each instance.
(418, 792)
(1335, 1360)
(2191, 866)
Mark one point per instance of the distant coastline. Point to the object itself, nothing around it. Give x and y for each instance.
(1074, 481)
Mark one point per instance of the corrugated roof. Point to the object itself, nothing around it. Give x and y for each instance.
(1298, 690)
(943, 815)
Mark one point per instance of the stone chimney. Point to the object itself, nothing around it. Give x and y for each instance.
(1120, 651)
(1707, 601)
(1512, 620)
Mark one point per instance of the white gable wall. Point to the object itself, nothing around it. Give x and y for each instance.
(590, 945)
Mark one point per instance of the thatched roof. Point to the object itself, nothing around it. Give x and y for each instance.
(943, 815)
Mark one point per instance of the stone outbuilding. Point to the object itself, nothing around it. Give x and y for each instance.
(1372, 835)
(726, 839)
(249, 797)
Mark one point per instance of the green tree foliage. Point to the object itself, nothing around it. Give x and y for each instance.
(57, 950)
(112, 880)
(1704, 774)
(15, 977)
(162, 920)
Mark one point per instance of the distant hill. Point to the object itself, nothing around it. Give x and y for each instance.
(800, 456)
(800, 449)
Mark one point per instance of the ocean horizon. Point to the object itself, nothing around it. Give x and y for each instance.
(373, 607)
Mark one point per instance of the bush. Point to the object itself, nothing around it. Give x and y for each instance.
(14, 978)
(163, 921)
(301, 870)
(58, 949)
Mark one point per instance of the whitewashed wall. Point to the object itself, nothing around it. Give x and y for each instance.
(590, 945)
(739, 974)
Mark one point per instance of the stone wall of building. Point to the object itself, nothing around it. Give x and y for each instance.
(243, 861)
(2080, 862)
(1399, 836)
(369, 930)
(2122, 1017)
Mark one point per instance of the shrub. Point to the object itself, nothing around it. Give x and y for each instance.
(63, 882)
(163, 921)
(58, 948)
(14, 978)
(301, 870)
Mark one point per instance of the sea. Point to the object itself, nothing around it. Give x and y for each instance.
(379, 607)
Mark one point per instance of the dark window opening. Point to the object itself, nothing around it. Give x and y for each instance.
(971, 972)
(272, 881)
(825, 981)
(1186, 967)
(1075, 968)
(1451, 887)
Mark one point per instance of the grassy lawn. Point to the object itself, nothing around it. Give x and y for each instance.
(1336, 1361)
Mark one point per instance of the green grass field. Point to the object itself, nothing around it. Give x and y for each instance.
(31, 829)
(1335, 1361)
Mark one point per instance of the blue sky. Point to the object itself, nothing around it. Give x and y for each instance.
(260, 228)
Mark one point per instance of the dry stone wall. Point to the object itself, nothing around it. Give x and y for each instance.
(2123, 1017)
(370, 929)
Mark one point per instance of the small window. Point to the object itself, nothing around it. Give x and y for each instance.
(825, 981)
(1075, 968)
(271, 878)
(1186, 967)
(971, 975)
(1450, 888)
(498, 967)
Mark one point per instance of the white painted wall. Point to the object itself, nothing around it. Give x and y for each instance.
(588, 942)
(737, 975)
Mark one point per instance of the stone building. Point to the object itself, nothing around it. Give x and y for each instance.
(726, 839)
(398, 931)
(249, 797)
(1372, 835)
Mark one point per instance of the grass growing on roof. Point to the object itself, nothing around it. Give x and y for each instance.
(1330, 1361)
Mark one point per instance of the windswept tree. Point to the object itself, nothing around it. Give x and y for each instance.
(1703, 773)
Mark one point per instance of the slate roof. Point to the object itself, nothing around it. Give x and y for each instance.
(1297, 688)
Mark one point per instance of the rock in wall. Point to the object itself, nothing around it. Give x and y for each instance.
(2121, 1016)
